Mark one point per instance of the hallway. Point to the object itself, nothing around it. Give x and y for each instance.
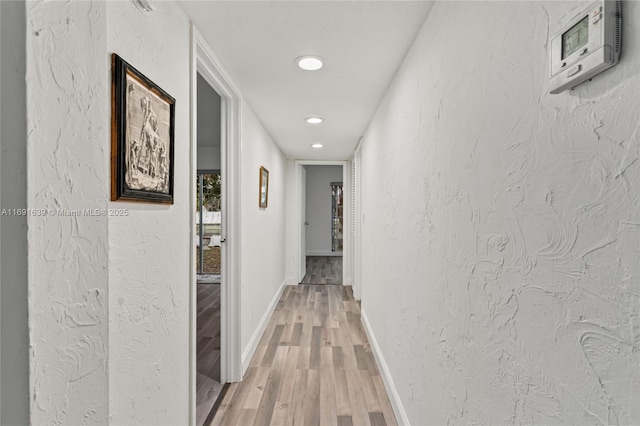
(313, 366)
(490, 226)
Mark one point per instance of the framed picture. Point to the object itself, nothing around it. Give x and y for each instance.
(264, 188)
(142, 137)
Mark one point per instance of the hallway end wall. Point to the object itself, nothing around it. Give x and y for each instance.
(506, 225)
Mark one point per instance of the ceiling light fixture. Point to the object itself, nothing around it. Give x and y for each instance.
(314, 120)
(317, 145)
(310, 63)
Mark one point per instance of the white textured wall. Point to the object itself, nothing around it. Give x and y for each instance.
(149, 249)
(502, 225)
(318, 208)
(263, 230)
(67, 156)
(109, 296)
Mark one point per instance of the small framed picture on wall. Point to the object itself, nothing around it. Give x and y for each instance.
(263, 197)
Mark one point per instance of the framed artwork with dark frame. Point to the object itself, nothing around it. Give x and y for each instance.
(263, 197)
(142, 137)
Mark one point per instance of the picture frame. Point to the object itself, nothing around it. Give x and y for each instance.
(142, 137)
(263, 196)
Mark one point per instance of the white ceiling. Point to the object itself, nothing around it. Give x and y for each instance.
(363, 43)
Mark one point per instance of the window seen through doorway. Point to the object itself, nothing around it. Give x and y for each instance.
(208, 214)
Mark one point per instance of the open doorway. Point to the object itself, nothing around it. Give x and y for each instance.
(205, 68)
(208, 242)
(323, 207)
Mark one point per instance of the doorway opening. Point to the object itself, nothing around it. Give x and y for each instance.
(215, 186)
(323, 229)
(208, 242)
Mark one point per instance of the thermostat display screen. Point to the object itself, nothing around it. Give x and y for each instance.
(585, 42)
(576, 37)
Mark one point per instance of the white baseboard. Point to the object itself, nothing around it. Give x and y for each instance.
(250, 350)
(396, 403)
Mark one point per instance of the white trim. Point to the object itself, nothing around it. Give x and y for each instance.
(297, 222)
(205, 62)
(251, 348)
(385, 374)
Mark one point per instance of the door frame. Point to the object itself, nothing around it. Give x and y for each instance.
(346, 182)
(207, 64)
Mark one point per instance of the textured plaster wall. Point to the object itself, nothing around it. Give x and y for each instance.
(14, 347)
(109, 296)
(263, 230)
(149, 249)
(505, 224)
(318, 208)
(67, 156)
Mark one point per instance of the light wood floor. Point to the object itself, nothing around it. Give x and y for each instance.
(313, 366)
(208, 385)
(323, 270)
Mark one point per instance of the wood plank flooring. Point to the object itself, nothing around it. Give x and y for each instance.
(323, 270)
(313, 366)
(208, 385)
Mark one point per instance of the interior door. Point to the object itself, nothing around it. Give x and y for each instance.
(303, 224)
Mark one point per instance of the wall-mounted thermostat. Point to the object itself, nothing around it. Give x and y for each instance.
(587, 44)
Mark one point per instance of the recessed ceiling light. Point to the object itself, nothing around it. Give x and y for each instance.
(314, 120)
(317, 145)
(310, 63)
